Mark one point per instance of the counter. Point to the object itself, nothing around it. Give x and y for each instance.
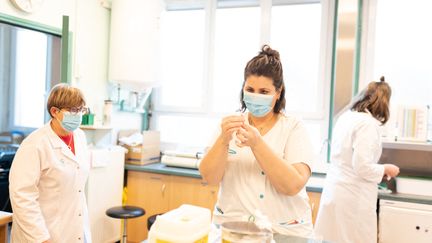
(406, 198)
(163, 169)
(314, 184)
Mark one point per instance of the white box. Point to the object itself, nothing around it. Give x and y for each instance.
(147, 152)
(410, 185)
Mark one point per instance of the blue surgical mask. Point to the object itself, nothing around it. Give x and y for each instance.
(71, 121)
(258, 104)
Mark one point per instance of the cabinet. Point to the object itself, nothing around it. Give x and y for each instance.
(104, 190)
(158, 193)
(134, 31)
(401, 222)
(314, 200)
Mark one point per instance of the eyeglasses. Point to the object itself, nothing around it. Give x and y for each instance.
(76, 110)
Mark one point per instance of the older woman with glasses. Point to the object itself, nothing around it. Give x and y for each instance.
(48, 175)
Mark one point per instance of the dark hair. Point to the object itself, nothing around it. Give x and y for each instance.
(375, 98)
(267, 63)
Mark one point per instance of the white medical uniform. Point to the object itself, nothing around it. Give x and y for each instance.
(347, 212)
(246, 191)
(47, 189)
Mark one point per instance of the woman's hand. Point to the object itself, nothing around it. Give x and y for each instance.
(390, 170)
(229, 125)
(247, 135)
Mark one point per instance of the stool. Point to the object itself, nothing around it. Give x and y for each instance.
(125, 212)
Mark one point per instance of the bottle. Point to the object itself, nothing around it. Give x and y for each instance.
(133, 99)
(107, 112)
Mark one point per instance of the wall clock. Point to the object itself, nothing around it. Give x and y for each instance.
(28, 6)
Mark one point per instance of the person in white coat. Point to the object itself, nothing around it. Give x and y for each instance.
(262, 158)
(48, 176)
(347, 212)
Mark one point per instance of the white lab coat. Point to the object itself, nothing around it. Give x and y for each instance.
(347, 212)
(47, 189)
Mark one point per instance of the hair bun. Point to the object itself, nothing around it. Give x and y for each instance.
(382, 79)
(268, 51)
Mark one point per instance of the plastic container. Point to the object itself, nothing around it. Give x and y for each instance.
(243, 231)
(185, 224)
(411, 185)
(107, 112)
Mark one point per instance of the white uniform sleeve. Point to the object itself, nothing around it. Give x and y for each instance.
(366, 139)
(298, 148)
(23, 180)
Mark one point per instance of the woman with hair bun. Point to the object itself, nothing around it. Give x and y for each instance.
(347, 212)
(262, 157)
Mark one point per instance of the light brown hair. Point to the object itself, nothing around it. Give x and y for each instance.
(268, 64)
(65, 96)
(375, 98)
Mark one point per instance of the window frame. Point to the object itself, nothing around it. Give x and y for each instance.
(65, 51)
(326, 64)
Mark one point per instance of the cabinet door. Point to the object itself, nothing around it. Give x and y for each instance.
(400, 225)
(314, 200)
(192, 191)
(151, 192)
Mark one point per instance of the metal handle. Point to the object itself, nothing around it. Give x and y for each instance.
(163, 189)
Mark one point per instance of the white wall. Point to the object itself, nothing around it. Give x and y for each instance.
(89, 22)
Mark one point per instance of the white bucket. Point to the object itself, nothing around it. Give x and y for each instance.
(185, 224)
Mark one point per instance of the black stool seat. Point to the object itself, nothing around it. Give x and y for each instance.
(125, 212)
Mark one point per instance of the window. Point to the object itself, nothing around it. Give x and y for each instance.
(400, 49)
(299, 47)
(31, 65)
(30, 78)
(211, 73)
(181, 74)
(236, 41)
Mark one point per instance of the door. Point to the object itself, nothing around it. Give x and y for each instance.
(149, 191)
(187, 190)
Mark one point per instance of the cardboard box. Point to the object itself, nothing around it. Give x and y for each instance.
(145, 153)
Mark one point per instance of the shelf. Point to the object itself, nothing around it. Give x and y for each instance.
(133, 110)
(92, 127)
(422, 146)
